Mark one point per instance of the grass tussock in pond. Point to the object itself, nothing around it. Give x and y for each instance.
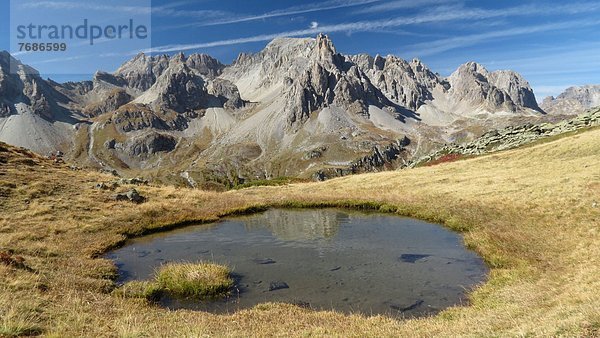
(196, 280)
(531, 213)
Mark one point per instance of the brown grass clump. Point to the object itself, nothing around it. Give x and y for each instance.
(532, 213)
(148, 290)
(196, 280)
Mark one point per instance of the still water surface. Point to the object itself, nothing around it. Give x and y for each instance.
(349, 261)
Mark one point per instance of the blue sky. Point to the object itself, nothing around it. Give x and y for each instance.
(554, 44)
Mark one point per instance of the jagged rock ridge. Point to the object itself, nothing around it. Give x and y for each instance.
(261, 115)
(573, 100)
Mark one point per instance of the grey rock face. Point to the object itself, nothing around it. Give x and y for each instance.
(574, 100)
(27, 87)
(142, 71)
(103, 77)
(408, 83)
(380, 158)
(205, 65)
(499, 90)
(5, 110)
(151, 143)
(589, 96)
(179, 89)
(139, 117)
(517, 88)
(330, 80)
(115, 99)
(470, 83)
(226, 93)
(78, 88)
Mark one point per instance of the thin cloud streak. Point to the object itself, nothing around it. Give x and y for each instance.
(401, 4)
(439, 15)
(443, 45)
(323, 6)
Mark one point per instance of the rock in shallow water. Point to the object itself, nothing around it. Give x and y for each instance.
(264, 261)
(273, 286)
(407, 308)
(412, 258)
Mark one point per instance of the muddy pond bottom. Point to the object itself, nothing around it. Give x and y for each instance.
(325, 259)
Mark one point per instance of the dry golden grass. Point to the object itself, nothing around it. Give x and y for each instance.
(198, 280)
(532, 213)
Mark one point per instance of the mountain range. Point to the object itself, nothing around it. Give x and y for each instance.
(297, 108)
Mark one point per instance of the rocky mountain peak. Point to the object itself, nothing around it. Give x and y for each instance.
(379, 62)
(178, 88)
(205, 65)
(409, 84)
(470, 84)
(516, 87)
(25, 87)
(141, 72)
(573, 100)
(325, 49)
(588, 95)
(178, 58)
(498, 90)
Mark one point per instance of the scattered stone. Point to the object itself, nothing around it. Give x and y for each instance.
(319, 176)
(110, 144)
(315, 153)
(101, 186)
(133, 181)
(278, 285)
(105, 186)
(132, 196)
(109, 171)
(512, 137)
(412, 258)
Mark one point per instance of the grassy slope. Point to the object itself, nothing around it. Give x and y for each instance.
(528, 212)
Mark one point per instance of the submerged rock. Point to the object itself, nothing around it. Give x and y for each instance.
(412, 258)
(264, 261)
(409, 307)
(278, 285)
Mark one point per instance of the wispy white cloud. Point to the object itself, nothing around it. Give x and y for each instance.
(295, 10)
(401, 4)
(443, 45)
(440, 14)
